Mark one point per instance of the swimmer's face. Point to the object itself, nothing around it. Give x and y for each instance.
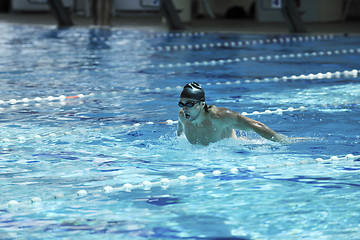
(190, 107)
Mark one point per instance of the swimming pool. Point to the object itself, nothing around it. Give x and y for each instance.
(89, 150)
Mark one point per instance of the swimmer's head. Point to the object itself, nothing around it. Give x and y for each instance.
(194, 91)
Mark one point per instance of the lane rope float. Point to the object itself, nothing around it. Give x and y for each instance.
(233, 44)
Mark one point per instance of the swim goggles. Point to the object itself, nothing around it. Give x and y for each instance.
(189, 104)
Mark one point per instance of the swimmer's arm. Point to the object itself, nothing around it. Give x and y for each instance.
(180, 129)
(240, 122)
(267, 132)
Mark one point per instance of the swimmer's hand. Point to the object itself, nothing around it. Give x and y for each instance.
(288, 140)
(281, 139)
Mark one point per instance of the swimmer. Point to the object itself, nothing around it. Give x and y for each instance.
(203, 124)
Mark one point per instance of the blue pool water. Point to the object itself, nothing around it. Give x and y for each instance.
(73, 167)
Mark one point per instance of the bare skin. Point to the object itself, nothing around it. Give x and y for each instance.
(204, 127)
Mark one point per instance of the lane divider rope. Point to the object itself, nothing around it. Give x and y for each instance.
(228, 44)
(233, 44)
(328, 75)
(165, 183)
(60, 98)
(275, 57)
(169, 35)
(105, 36)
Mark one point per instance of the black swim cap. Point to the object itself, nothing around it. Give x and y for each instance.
(193, 90)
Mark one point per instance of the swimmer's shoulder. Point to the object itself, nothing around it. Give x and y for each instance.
(224, 115)
(218, 112)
